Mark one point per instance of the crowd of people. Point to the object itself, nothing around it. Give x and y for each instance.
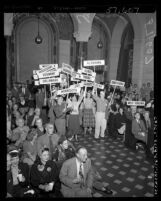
(42, 160)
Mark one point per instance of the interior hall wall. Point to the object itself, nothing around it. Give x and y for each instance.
(30, 54)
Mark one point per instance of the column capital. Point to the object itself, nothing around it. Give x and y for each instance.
(82, 36)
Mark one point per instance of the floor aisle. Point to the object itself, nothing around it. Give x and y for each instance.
(125, 171)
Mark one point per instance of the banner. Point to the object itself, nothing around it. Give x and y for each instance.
(67, 70)
(50, 80)
(99, 86)
(43, 66)
(87, 84)
(68, 91)
(94, 62)
(49, 74)
(136, 103)
(67, 66)
(87, 71)
(84, 77)
(117, 83)
(76, 85)
(91, 74)
(74, 80)
(50, 67)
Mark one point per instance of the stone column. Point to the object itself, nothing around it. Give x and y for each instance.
(81, 54)
(138, 62)
(8, 60)
(82, 31)
(114, 57)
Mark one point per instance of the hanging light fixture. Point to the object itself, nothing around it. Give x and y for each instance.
(100, 44)
(38, 39)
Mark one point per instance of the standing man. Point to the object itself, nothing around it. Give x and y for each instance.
(76, 175)
(48, 140)
(100, 118)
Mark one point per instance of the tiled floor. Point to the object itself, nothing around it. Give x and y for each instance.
(124, 171)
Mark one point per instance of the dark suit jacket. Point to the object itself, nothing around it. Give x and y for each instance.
(68, 172)
(136, 127)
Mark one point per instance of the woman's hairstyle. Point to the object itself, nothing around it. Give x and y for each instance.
(31, 134)
(44, 149)
(62, 139)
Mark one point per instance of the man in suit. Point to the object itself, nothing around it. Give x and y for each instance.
(138, 127)
(76, 175)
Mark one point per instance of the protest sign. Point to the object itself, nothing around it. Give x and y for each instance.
(68, 90)
(43, 66)
(49, 74)
(136, 103)
(50, 80)
(99, 86)
(117, 83)
(94, 62)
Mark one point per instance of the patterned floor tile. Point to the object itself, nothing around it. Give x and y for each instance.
(122, 172)
(133, 171)
(138, 186)
(130, 179)
(103, 157)
(97, 163)
(151, 184)
(126, 165)
(103, 169)
(117, 181)
(144, 169)
(110, 175)
(149, 195)
(125, 189)
(130, 159)
(113, 156)
(115, 167)
(141, 177)
(97, 195)
(136, 163)
(122, 154)
(109, 162)
(114, 174)
(119, 160)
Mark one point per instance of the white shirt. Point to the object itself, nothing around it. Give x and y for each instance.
(78, 167)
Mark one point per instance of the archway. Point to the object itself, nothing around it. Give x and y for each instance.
(100, 32)
(124, 70)
(28, 55)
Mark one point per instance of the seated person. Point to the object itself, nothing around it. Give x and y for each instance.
(39, 127)
(112, 122)
(63, 151)
(121, 122)
(30, 116)
(17, 175)
(29, 148)
(138, 128)
(44, 175)
(19, 133)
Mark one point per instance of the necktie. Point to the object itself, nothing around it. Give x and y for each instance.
(81, 175)
(51, 145)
